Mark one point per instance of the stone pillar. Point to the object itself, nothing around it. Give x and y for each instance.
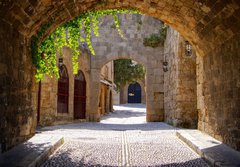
(94, 86)
(154, 96)
(48, 104)
(18, 88)
(103, 99)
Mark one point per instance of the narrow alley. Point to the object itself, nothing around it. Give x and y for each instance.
(122, 138)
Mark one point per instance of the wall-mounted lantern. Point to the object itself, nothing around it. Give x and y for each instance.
(188, 49)
(165, 63)
(165, 66)
(60, 61)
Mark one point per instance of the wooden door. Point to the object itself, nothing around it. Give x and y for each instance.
(79, 96)
(63, 90)
(134, 93)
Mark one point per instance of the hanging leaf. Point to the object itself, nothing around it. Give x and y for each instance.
(53, 44)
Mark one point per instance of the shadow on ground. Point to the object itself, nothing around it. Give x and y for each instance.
(149, 126)
(66, 159)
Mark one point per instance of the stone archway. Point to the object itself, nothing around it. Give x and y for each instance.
(212, 27)
(130, 48)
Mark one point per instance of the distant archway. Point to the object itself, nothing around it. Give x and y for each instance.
(79, 96)
(134, 93)
(63, 90)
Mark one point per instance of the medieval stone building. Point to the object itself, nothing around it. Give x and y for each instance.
(60, 100)
(211, 27)
(64, 99)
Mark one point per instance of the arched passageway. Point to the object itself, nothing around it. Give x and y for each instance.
(134, 93)
(212, 27)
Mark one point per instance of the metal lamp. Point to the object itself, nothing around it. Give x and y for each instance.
(60, 61)
(188, 49)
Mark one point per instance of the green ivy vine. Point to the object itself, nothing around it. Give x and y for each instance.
(155, 40)
(45, 49)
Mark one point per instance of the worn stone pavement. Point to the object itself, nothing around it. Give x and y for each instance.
(122, 138)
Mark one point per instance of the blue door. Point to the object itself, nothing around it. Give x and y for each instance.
(134, 93)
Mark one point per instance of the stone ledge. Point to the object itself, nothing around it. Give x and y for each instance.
(213, 151)
(33, 152)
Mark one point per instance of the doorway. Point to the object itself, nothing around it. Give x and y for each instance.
(79, 96)
(134, 93)
(63, 90)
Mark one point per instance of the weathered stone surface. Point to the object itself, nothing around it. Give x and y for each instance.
(219, 80)
(212, 27)
(17, 120)
(180, 97)
(108, 48)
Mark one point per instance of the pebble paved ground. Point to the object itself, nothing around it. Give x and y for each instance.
(122, 138)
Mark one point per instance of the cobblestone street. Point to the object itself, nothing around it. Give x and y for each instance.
(122, 138)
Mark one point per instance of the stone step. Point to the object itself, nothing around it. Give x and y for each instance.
(33, 152)
(213, 151)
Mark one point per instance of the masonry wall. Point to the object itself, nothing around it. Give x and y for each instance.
(180, 87)
(219, 92)
(110, 46)
(17, 88)
(49, 88)
(211, 26)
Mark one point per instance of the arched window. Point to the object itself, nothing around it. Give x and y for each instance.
(79, 96)
(63, 90)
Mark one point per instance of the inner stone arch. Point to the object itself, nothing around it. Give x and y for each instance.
(119, 95)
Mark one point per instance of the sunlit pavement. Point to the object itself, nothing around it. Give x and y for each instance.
(122, 138)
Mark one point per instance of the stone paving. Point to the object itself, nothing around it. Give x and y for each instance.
(122, 138)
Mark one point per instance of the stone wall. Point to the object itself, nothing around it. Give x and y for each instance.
(49, 88)
(17, 88)
(180, 94)
(211, 26)
(219, 92)
(110, 46)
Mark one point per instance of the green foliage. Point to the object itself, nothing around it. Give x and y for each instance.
(155, 40)
(125, 71)
(44, 49)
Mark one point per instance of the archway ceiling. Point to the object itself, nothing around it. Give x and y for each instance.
(205, 23)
